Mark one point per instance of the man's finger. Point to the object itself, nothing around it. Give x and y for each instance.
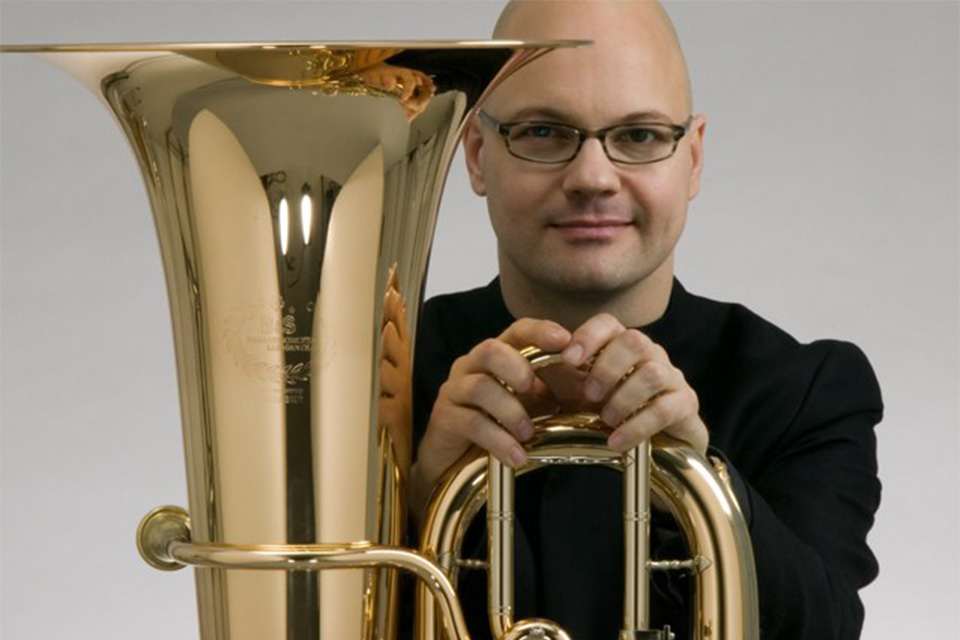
(646, 382)
(618, 360)
(545, 334)
(483, 393)
(488, 435)
(496, 358)
(590, 338)
(669, 413)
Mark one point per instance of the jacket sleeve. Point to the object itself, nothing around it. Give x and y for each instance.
(811, 504)
(431, 366)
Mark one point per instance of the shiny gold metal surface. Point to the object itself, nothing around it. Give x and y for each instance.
(157, 529)
(724, 589)
(294, 188)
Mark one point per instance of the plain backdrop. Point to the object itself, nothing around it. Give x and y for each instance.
(829, 205)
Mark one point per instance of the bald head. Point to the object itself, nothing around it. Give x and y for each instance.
(554, 260)
(610, 23)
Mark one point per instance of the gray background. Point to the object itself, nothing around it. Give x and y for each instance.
(829, 205)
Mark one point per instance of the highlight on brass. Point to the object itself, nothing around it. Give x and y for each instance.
(334, 71)
(294, 189)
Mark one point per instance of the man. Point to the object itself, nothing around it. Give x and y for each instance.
(588, 159)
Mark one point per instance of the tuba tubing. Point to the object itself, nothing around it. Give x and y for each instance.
(698, 495)
(164, 541)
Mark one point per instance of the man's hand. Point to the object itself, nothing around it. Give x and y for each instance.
(474, 407)
(633, 383)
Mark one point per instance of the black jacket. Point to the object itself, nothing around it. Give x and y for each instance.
(794, 421)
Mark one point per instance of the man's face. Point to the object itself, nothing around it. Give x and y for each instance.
(588, 226)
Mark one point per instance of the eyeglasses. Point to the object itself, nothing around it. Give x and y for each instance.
(553, 143)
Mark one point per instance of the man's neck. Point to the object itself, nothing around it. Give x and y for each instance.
(634, 306)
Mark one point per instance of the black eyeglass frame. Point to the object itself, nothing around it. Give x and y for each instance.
(503, 130)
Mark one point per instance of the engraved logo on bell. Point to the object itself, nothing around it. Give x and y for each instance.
(289, 324)
(263, 344)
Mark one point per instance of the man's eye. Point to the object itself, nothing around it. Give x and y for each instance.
(538, 131)
(639, 136)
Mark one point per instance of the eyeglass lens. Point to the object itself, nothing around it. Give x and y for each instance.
(547, 142)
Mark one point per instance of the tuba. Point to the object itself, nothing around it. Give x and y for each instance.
(294, 189)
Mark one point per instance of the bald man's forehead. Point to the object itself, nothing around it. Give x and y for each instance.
(625, 25)
(522, 15)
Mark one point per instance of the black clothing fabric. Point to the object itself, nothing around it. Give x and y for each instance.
(795, 423)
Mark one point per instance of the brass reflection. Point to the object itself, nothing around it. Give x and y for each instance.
(333, 71)
(395, 408)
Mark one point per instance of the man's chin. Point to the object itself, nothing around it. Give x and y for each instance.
(590, 284)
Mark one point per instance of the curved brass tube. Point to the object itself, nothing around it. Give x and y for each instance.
(725, 589)
(164, 540)
(724, 600)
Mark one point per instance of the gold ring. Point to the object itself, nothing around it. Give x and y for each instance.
(636, 411)
(629, 373)
(504, 385)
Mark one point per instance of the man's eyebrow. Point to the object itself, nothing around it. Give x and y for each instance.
(549, 114)
(538, 113)
(647, 116)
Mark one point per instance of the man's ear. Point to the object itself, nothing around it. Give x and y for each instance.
(696, 133)
(473, 151)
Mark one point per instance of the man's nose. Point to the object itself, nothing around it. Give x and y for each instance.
(591, 172)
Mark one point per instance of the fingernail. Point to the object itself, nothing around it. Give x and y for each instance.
(616, 441)
(592, 390)
(517, 456)
(525, 429)
(573, 353)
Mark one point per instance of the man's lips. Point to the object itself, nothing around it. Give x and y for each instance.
(591, 228)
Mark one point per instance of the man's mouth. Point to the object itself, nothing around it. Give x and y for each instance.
(587, 229)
